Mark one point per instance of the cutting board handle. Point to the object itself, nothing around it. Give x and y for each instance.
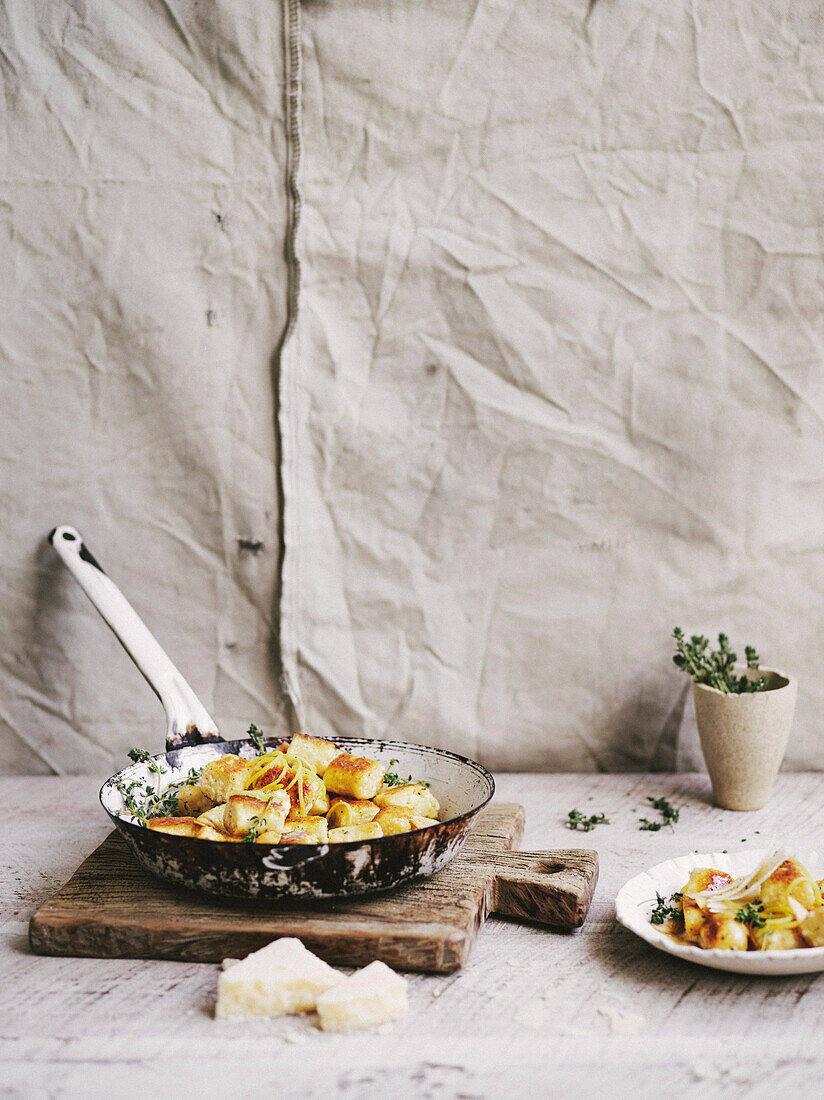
(554, 887)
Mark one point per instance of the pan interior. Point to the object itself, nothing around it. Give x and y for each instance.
(460, 785)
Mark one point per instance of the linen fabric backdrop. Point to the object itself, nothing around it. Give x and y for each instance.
(552, 382)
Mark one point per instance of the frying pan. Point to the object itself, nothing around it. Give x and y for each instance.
(262, 871)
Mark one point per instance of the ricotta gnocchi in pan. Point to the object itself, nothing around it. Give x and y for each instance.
(306, 791)
(778, 907)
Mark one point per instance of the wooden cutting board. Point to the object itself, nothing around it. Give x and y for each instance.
(111, 908)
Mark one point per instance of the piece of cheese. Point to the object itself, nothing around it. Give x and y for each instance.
(374, 995)
(280, 979)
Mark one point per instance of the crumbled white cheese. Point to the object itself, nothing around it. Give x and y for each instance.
(374, 995)
(281, 978)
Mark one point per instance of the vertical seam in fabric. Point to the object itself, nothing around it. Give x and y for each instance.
(294, 153)
(289, 360)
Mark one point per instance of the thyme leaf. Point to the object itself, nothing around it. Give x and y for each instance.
(256, 828)
(392, 779)
(751, 914)
(714, 667)
(666, 910)
(577, 820)
(255, 735)
(143, 800)
(668, 812)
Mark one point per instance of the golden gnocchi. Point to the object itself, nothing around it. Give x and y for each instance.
(306, 791)
(777, 907)
(354, 776)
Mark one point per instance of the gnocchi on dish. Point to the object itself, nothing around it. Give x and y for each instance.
(306, 791)
(777, 907)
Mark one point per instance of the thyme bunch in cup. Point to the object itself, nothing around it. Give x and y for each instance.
(715, 667)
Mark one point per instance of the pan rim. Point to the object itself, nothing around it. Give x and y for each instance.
(265, 848)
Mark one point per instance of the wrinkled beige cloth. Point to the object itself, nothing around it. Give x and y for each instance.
(142, 215)
(555, 383)
(558, 378)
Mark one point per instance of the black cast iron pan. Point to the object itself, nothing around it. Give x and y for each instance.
(260, 871)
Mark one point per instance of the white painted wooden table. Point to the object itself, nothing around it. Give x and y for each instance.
(595, 1014)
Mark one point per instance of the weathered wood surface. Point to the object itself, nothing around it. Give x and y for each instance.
(553, 887)
(111, 908)
(594, 1013)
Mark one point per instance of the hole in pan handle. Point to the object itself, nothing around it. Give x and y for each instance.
(187, 720)
(553, 887)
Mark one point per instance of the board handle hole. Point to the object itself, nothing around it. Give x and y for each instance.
(547, 867)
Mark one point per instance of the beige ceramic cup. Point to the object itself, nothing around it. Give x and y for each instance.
(744, 737)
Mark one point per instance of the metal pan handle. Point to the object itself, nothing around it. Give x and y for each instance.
(187, 721)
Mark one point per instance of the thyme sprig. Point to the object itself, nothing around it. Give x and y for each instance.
(668, 813)
(255, 735)
(257, 826)
(392, 779)
(751, 914)
(714, 667)
(577, 820)
(146, 800)
(667, 910)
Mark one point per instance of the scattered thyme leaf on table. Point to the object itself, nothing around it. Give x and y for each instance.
(666, 910)
(667, 811)
(714, 667)
(577, 820)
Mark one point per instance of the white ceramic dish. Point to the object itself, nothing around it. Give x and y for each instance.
(636, 900)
